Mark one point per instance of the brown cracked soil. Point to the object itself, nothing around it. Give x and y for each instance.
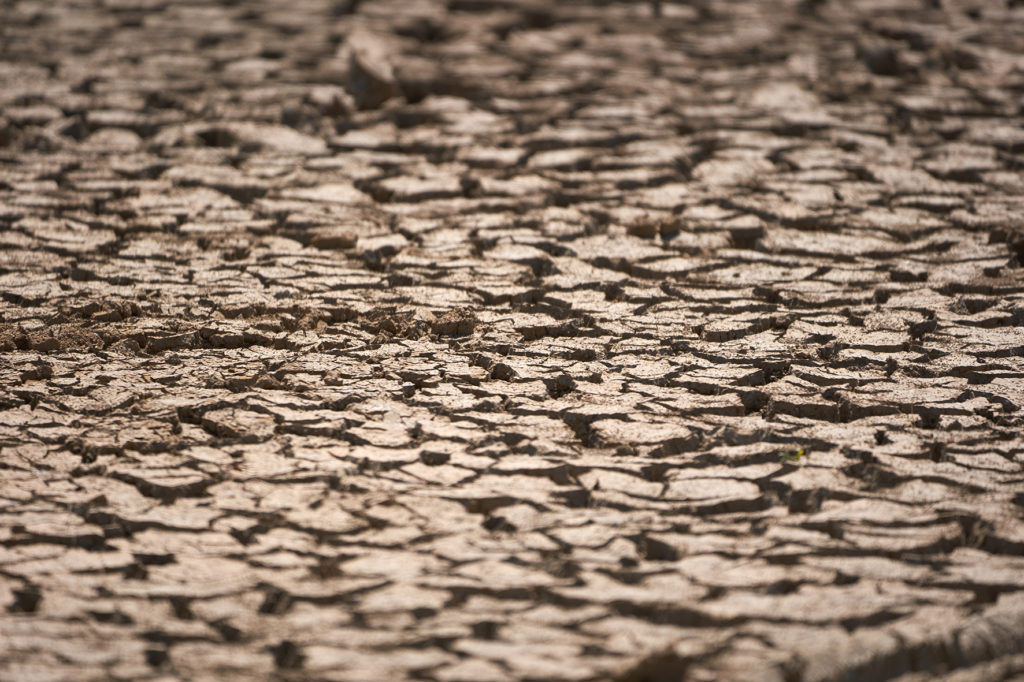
(484, 340)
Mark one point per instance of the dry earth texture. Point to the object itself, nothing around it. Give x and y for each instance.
(490, 340)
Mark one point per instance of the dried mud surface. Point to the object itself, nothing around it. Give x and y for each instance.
(494, 340)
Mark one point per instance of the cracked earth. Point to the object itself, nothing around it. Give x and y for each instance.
(490, 340)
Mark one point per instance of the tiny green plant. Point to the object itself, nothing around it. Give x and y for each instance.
(792, 455)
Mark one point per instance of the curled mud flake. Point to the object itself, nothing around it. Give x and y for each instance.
(26, 600)
(371, 74)
(460, 322)
(333, 240)
(287, 655)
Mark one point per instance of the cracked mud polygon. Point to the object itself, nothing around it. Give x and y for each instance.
(491, 340)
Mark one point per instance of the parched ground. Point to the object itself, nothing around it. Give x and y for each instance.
(492, 340)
